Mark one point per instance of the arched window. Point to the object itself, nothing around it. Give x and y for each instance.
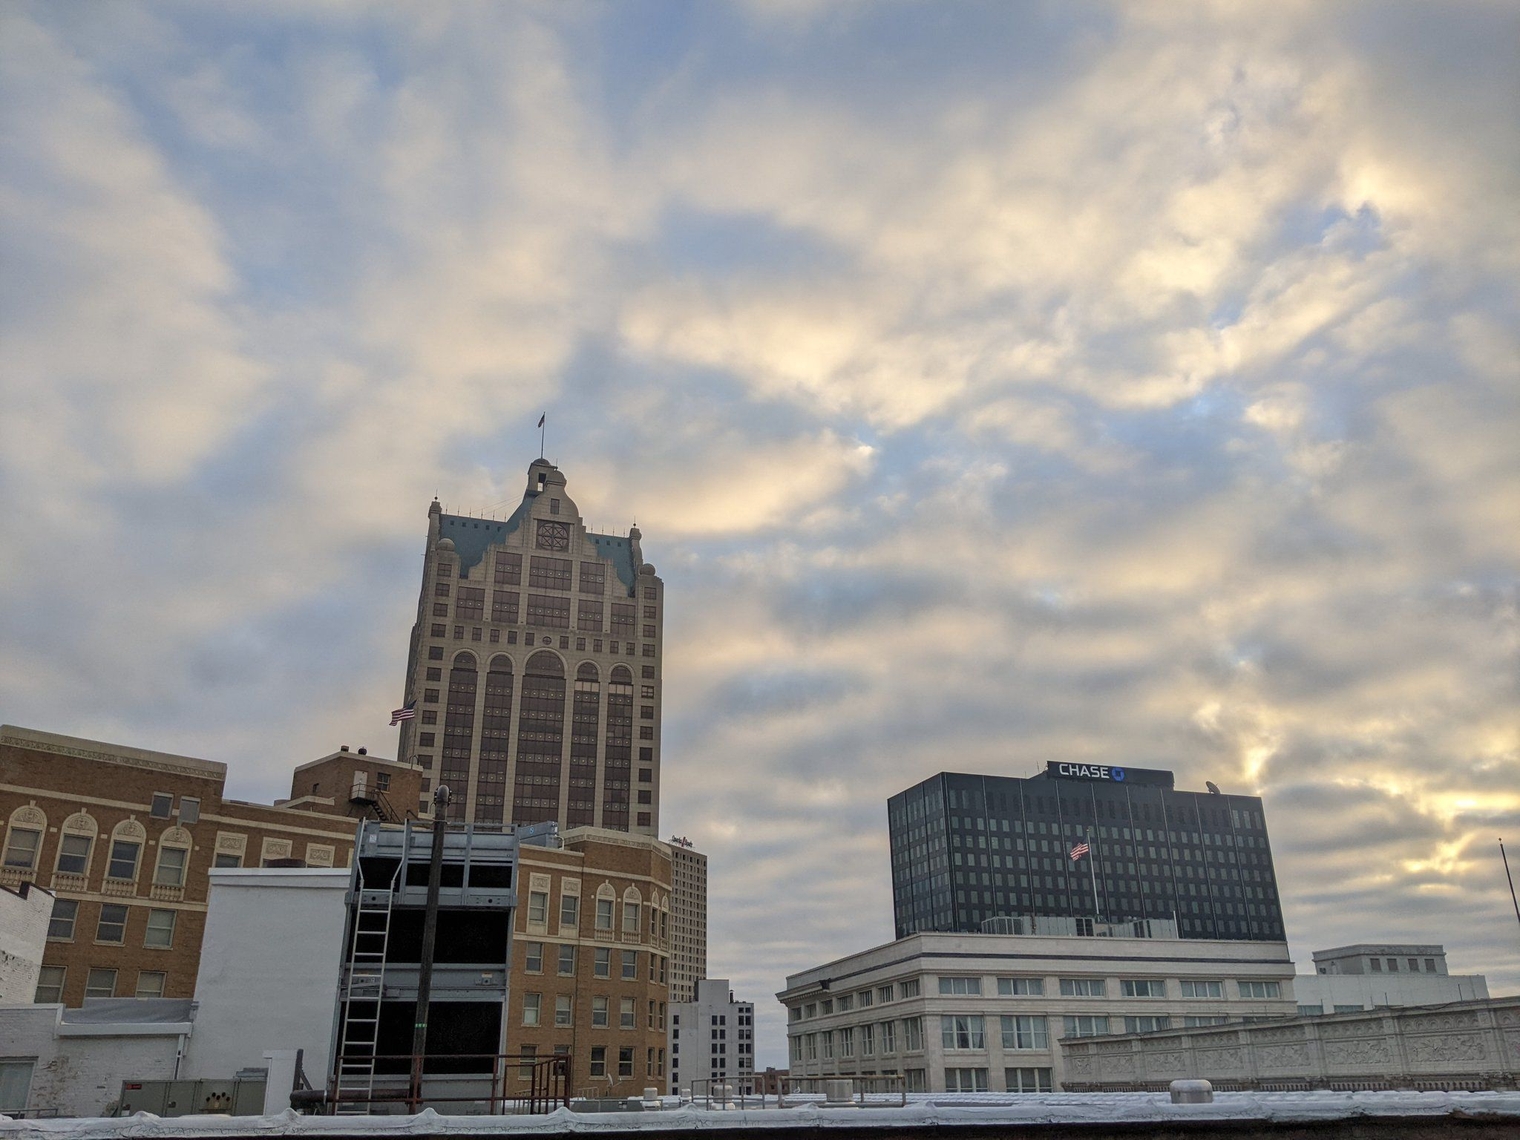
(585, 730)
(632, 910)
(23, 841)
(127, 839)
(606, 902)
(618, 751)
(495, 742)
(540, 739)
(459, 731)
(173, 859)
(76, 843)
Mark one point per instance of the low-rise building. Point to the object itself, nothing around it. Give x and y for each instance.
(712, 1040)
(125, 838)
(1377, 975)
(973, 1012)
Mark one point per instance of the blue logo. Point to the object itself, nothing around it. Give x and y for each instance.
(1117, 773)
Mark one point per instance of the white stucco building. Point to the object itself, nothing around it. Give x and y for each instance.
(712, 1040)
(1378, 975)
(972, 1012)
(269, 968)
(24, 916)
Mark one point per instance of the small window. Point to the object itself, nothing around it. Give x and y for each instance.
(599, 1011)
(189, 809)
(1082, 987)
(74, 854)
(627, 1015)
(15, 1084)
(598, 1060)
(631, 917)
(625, 1061)
(61, 924)
(100, 983)
(123, 863)
(50, 984)
(225, 860)
(160, 934)
(21, 848)
(171, 867)
(601, 967)
(630, 965)
(150, 983)
(1143, 988)
(562, 1014)
(532, 1004)
(533, 958)
(112, 926)
(569, 910)
(960, 986)
(566, 960)
(538, 907)
(1021, 987)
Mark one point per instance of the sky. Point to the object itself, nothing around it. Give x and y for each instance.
(992, 383)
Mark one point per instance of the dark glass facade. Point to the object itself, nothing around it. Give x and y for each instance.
(968, 848)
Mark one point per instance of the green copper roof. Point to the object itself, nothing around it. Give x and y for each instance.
(472, 537)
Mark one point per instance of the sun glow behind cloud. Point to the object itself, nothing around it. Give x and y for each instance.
(1111, 383)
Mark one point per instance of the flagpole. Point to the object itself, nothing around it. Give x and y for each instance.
(541, 420)
(1092, 867)
(1512, 898)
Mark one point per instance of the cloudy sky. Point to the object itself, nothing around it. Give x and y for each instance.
(992, 382)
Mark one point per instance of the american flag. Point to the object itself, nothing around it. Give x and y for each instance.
(1079, 850)
(405, 712)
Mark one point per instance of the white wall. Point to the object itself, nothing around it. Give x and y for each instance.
(80, 1074)
(269, 969)
(23, 936)
(1369, 991)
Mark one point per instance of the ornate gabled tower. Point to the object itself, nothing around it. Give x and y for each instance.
(535, 666)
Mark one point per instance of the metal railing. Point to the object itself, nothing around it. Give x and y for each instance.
(548, 1083)
(718, 1093)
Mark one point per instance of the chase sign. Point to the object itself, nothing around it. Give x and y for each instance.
(1109, 773)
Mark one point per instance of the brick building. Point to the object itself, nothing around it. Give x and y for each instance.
(124, 837)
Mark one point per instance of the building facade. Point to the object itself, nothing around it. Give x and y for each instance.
(712, 1040)
(975, 1012)
(688, 917)
(25, 914)
(535, 667)
(967, 849)
(1368, 975)
(124, 838)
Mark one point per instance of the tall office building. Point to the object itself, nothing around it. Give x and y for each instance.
(688, 946)
(969, 850)
(535, 667)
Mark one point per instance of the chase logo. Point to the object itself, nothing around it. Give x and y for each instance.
(1116, 774)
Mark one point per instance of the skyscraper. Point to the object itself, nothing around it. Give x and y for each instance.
(969, 849)
(535, 667)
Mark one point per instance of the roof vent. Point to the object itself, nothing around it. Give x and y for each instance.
(364, 752)
(342, 748)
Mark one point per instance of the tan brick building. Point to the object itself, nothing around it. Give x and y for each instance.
(124, 837)
(591, 948)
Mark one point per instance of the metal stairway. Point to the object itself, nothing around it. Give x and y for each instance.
(363, 993)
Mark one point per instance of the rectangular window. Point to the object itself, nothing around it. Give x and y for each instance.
(150, 983)
(1027, 1080)
(61, 924)
(630, 965)
(533, 957)
(538, 907)
(1147, 1023)
(470, 604)
(913, 1034)
(222, 859)
(1082, 987)
(532, 1006)
(113, 923)
(1198, 1020)
(847, 1042)
(960, 986)
(594, 578)
(549, 611)
(1142, 987)
(630, 918)
(627, 1016)
(1194, 988)
(15, 1084)
(21, 848)
(1085, 1025)
(598, 1060)
(1021, 987)
(623, 619)
(74, 854)
(965, 1080)
(162, 806)
(962, 1032)
(599, 1008)
(1262, 989)
(562, 1016)
(160, 933)
(566, 960)
(588, 615)
(171, 867)
(189, 810)
(602, 966)
(1024, 1032)
(625, 1061)
(50, 984)
(547, 573)
(100, 983)
(884, 994)
(508, 569)
(889, 1037)
(569, 910)
(504, 606)
(909, 988)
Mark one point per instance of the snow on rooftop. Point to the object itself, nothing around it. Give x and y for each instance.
(924, 1109)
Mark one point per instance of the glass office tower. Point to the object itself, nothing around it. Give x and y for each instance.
(968, 849)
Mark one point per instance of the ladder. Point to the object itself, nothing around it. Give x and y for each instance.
(363, 995)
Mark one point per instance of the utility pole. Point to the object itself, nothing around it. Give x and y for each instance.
(1510, 878)
(429, 939)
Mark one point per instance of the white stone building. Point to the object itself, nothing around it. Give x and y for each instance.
(967, 1012)
(712, 1040)
(1383, 975)
(688, 919)
(24, 916)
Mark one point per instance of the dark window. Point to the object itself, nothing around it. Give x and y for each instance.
(545, 573)
(554, 506)
(508, 569)
(650, 593)
(540, 739)
(504, 606)
(623, 618)
(459, 729)
(471, 603)
(548, 610)
(618, 748)
(593, 578)
(588, 616)
(585, 728)
(163, 804)
(441, 589)
(646, 753)
(644, 819)
(648, 672)
(435, 653)
(434, 674)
